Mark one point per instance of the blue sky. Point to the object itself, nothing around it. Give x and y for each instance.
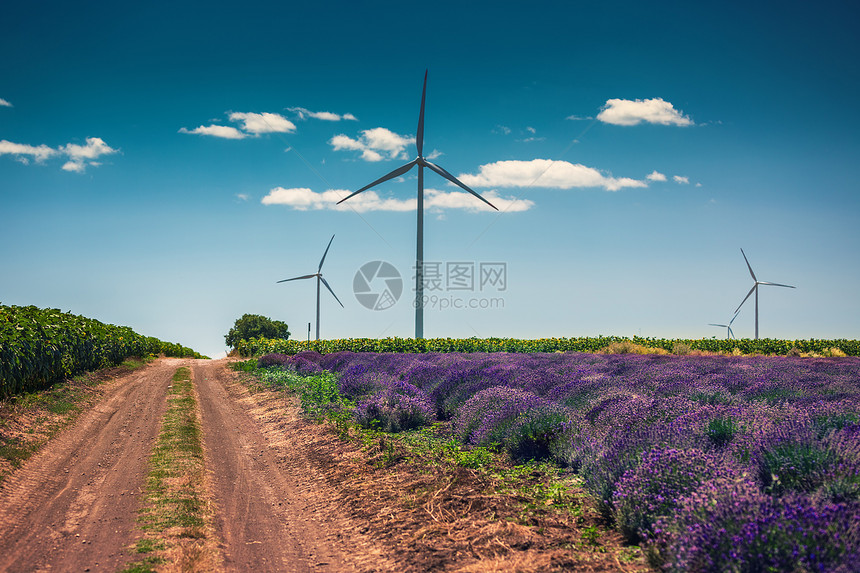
(163, 165)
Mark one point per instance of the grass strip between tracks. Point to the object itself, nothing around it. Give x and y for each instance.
(176, 518)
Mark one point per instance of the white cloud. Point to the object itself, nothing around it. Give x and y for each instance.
(257, 123)
(655, 176)
(304, 199)
(531, 130)
(385, 140)
(634, 112)
(681, 180)
(300, 198)
(461, 200)
(80, 156)
(223, 131)
(545, 173)
(242, 196)
(504, 130)
(75, 166)
(371, 155)
(341, 141)
(21, 151)
(95, 148)
(325, 115)
(303, 113)
(83, 156)
(578, 118)
(252, 124)
(373, 143)
(4, 103)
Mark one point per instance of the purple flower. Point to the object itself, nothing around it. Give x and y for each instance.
(729, 525)
(654, 488)
(269, 360)
(720, 463)
(525, 424)
(391, 411)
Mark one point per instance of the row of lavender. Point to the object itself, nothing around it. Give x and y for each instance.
(714, 463)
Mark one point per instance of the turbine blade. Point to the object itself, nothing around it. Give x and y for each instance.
(720, 325)
(752, 290)
(297, 278)
(777, 284)
(456, 181)
(748, 265)
(732, 334)
(419, 138)
(732, 320)
(396, 173)
(331, 291)
(325, 253)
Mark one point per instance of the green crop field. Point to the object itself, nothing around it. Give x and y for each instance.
(257, 347)
(41, 346)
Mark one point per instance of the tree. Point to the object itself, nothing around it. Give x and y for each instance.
(255, 326)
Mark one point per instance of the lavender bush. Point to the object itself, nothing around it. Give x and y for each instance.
(270, 360)
(304, 366)
(391, 411)
(720, 463)
(609, 456)
(654, 488)
(733, 526)
(304, 362)
(522, 422)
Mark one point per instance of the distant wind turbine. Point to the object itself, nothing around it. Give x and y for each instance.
(728, 327)
(755, 289)
(320, 279)
(421, 162)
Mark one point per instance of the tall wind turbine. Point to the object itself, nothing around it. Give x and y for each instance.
(320, 279)
(755, 289)
(421, 162)
(728, 327)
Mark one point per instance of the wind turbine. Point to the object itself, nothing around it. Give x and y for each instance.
(320, 279)
(421, 162)
(728, 327)
(755, 289)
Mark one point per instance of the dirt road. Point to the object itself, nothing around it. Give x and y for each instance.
(73, 506)
(275, 510)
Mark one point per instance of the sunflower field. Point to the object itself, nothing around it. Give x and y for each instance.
(259, 347)
(39, 347)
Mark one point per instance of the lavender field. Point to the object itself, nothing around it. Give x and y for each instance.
(712, 463)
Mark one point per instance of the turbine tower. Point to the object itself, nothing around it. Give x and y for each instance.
(754, 288)
(421, 162)
(728, 327)
(320, 279)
